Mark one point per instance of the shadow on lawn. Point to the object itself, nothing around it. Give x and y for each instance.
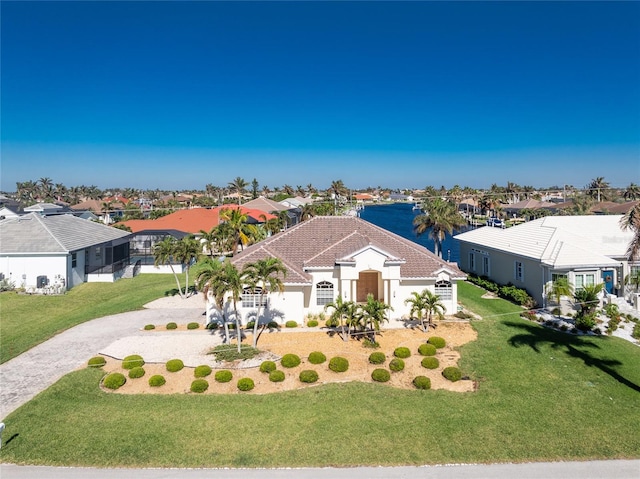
(536, 336)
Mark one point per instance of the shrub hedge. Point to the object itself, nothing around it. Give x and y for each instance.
(223, 376)
(132, 361)
(202, 371)
(114, 381)
(338, 364)
(290, 360)
(312, 323)
(380, 375)
(199, 386)
(396, 364)
(245, 384)
(437, 341)
(308, 376)
(316, 357)
(427, 349)
(276, 376)
(174, 365)
(172, 325)
(402, 352)
(157, 380)
(193, 325)
(422, 382)
(430, 362)
(377, 358)
(137, 372)
(96, 362)
(267, 366)
(452, 373)
(291, 324)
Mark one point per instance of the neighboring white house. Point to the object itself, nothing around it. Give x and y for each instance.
(331, 256)
(60, 251)
(585, 249)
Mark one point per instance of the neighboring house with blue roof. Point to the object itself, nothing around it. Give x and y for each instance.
(60, 251)
(584, 249)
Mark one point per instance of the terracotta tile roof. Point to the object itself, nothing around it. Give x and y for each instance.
(324, 241)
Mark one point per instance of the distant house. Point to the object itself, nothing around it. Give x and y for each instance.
(99, 208)
(331, 256)
(516, 209)
(584, 249)
(60, 251)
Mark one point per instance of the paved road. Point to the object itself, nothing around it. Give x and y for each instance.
(540, 470)
(35, 370)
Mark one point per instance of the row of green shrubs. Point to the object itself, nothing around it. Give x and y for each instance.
(173, 325)
(508, 291)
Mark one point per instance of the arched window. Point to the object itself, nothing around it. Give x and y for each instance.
(324, 293)
(444, 291)
(251, 298)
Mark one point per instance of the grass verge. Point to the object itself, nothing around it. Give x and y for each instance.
(28, 320)
(543, 396)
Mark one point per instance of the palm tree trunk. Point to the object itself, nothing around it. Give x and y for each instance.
(255, 324)
(177, 281)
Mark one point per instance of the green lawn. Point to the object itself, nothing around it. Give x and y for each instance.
(28, 320)
(543, 395)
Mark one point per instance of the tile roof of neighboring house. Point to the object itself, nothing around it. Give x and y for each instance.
(265, 204)
(323, 241)
(612, 208)
(560, 241)
(96, 206)
(192, 220)
(34, 233)
(528, 204)
(363, 196)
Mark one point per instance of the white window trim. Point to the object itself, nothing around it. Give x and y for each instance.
(323, 288)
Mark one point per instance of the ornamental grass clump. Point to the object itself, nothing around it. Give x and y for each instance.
(430, 362)
(223, 376)
(276, 376)
(133, 361)
(157, 380)
(202, 371)
(245, 384)
(267, 367)
(339, 364)
(193, 326)
(377, 358)
(452, 373)
(199, 386)
(396, 365)
(402, 352)
(290, 360)
(96, 362)
(172, 325)
(136, 372)
(114, 381)
(308, 376)
(422, 382)
(427, 349)
(174, 365)
(380, 375)
(437, 341)
(316, 357)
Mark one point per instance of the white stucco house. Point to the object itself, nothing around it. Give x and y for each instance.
(331, 256)
(585, 249)
(56, 252)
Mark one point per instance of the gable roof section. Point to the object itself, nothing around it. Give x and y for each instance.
(323, 241)
(34, 233)
(265, 204)
(558, 240)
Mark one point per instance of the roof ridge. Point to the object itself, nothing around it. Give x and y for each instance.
(48, 230)
(333, 245)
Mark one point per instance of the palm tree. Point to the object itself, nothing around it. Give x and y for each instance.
(164, 253)
(559, 288)
(587, 297)
(187, 250)
(441, 218)
(338, 189)
(632, 192)
(433, 307)
(418, 307)
(288, 189)
(238, 185)
(46, 188)
(264, 274)
(230, 282)
(209, 240)
(254, 188)
(631, 221)
(374, 312)
(597, 188)
(344, 312)
(237, 221)
(207, 273)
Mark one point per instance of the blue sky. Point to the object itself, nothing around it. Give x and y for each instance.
(175, 95)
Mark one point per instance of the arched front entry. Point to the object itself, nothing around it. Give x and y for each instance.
(368, 283)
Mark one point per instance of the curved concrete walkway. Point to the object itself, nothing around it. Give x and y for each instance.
(35, 370)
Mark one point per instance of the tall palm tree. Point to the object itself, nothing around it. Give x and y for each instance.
(597, 188)
(631, 221)
(433, 306)
(238, 185)
(264, 274)
(207, 273)
(46, 188)
(164, 253)
(288, 189)
(209, 240)
(373, 313)
(187, 251)
(632, 192)
(441, 218)
(230, 282)
(338, 189)
(237, 221)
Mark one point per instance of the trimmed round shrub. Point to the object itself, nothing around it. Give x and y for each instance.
(96, 362)
(157, 381)
(267, 366)
(422, 382)
(377, 358)
(223, 376)
(245, 384)
(430, 362)
(402, 352)
(133, 361)
(312, 323)
(308, 376)
(339, 364)
(136, 372)
(199, 386)
(273, 325)
(452, 373)
(437, 341)
(193, 325)
(114, 380)
(149, 327)
(250, 325)
(172, 325)
(380, 375)
(427, 350)
(290, 360)
(291, 324)
(276, 376)
(396, 364)
(317, 357)
(175, 365)
(202, 371)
